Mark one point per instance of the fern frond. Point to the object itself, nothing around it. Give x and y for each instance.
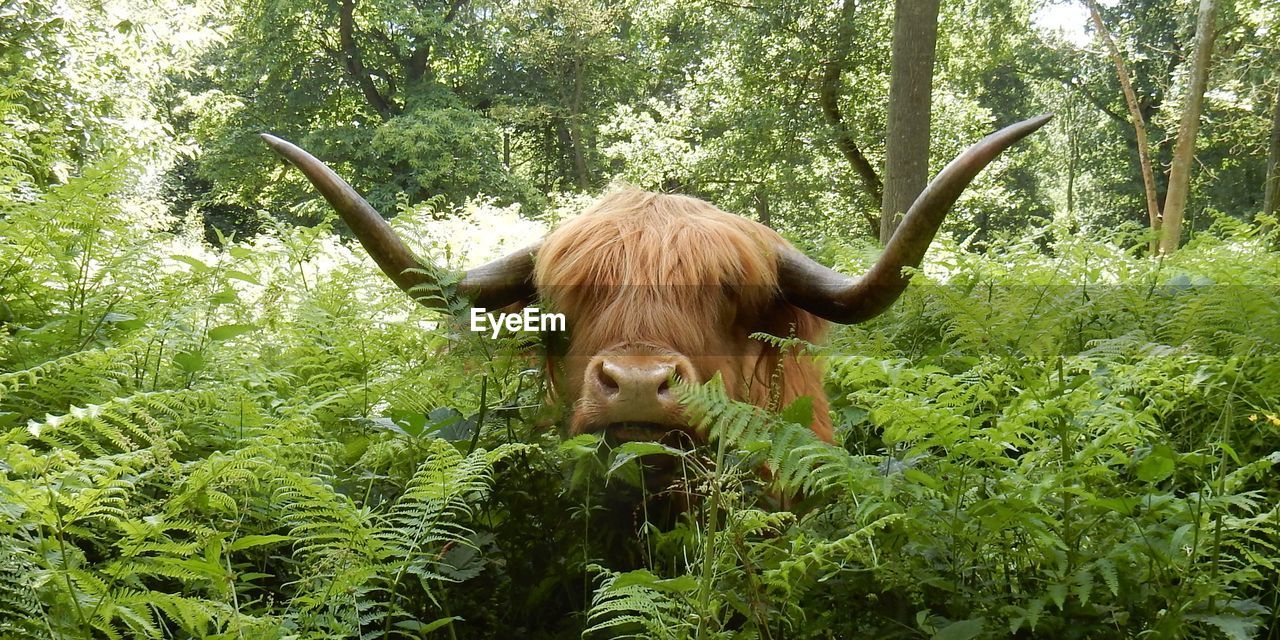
(797, 460)
(638, 604)
(20, 607)
(53, 385)
(714, 413)
(122, 424)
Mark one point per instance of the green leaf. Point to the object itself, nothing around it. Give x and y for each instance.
(922, 478)
(643, 578)
(126, 321)
(1157, 465)
(1123, 506)
(240, 275)
(1058, 592)
(256, 541)
(961, 629)
(226, 296)
(426, 628)
(196, 265)
(632, 450)
(579, 445)
(189, 361)
(1234, 627)
(411, 422)
(800, 411)
(1107, 570)
(228, 331)
(450, 424)
(648, 448)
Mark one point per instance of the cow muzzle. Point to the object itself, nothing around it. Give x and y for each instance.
(632, 397)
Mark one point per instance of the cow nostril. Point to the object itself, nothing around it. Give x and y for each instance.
(664, 387)
(606, 381)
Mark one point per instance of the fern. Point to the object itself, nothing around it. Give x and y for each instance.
(797, 461)
(244, 442)
(20, 609)
(638, 604)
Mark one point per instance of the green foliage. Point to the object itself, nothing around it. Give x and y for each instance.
(264, 439)
(53, 116)
(1049, 453)
(242, 442)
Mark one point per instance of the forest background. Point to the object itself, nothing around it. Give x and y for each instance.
(217, 419)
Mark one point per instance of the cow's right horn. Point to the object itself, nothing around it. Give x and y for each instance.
(494, 285)
(840, 298)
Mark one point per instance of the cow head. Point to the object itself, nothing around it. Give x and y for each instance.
(656, 287)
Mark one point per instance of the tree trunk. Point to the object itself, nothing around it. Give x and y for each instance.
(565, 152)
(581, 172)
(354, 61)
(1073, 159)
(906, 160)
(1175, 203)
(1271, 193)
(506, 149)
(1139, 124)
(761, 201)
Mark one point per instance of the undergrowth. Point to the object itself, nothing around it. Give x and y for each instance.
(266, 441)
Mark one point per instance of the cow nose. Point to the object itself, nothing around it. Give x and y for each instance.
(638, 380)
(636, 388)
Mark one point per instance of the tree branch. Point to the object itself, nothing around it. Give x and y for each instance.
(1096, 102)
(1135, 112)
(829, 98)
(354, 63)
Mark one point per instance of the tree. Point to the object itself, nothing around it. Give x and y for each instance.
(1184, 153)
(829, 98)
(59, 110)
(560, 66)
(906, 165)
(393, 94)
(1150, 46)
(1139, 123)
(1271, 191)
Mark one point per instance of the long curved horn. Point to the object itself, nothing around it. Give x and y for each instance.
(846, 300)
(494, 285)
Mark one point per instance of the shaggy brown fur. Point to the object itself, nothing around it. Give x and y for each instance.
(642, 273)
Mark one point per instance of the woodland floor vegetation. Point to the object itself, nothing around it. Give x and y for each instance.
(218, 420)
(1062, 440)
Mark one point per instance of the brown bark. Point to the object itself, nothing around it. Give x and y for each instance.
(1073, 159)
(418, 65)
(829, 99)
(580, 170)
(1271, 193)
(906, 158)
(1139, 123)
(354, 62)
(761, 201)
(1175, 203)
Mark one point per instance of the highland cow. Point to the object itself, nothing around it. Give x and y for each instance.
(657, 287)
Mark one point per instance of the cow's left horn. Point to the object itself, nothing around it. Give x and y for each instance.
(840, 298)
(494, 285)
